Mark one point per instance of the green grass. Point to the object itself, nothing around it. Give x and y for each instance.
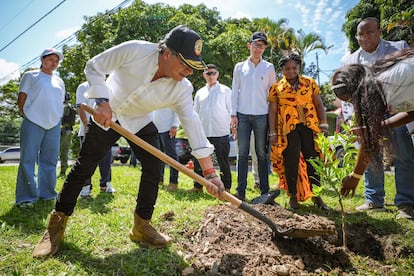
(97, 242)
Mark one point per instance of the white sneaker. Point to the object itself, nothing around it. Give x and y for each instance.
(108, 188)
(86, 191)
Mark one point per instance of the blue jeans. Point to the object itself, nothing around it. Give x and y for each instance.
(42, 146)
(247, 124)
(168, 147)
(374, 183)
(403, 158)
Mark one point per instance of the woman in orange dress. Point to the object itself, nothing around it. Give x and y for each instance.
(296, 116)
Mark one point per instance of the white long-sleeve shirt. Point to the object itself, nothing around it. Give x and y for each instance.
(133, 96)
(213, 105)
(251, 86)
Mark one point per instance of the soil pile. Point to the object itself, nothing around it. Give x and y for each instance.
(231, 242)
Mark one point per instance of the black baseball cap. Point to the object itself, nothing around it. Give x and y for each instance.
(257, 36)
(188, 45)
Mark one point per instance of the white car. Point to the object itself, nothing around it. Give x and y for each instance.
(10, 154)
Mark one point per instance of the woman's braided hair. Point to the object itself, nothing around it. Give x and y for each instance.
(367, 96)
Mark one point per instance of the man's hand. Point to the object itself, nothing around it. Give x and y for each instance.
(216, 188)
(103, 114)
(349, 184)
(173, 132)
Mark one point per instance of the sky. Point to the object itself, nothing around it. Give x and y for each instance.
(27, 27)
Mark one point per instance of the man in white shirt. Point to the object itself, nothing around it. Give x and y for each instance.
(215, 96)
(129, 81)
(252, 80)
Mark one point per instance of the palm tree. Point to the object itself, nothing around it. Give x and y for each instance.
(306, 43)
(279, 36)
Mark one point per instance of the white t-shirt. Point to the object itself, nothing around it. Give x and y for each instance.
(45, 97)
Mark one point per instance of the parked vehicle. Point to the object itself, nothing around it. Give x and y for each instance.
(120, 153)
(183, 149)
(10, 154)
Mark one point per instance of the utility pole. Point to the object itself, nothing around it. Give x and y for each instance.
(317, 69)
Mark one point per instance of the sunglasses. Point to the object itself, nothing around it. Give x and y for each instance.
(211, 73)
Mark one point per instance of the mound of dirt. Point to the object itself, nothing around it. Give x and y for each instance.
(232, 242)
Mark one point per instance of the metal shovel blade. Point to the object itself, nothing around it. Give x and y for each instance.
(279, 231)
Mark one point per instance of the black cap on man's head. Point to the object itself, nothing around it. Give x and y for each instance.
(188, 45)
(258, 36)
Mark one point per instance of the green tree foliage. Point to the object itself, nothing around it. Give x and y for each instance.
(225, 41)
(8, 99)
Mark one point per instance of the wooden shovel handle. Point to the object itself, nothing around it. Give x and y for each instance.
(165, 158)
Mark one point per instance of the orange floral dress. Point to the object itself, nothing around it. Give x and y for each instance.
(294, 107)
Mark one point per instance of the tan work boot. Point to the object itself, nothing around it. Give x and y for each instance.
(172, 187)
(50, 242)
(142, 231)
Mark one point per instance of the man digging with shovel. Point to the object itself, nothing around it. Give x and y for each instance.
(142, 77)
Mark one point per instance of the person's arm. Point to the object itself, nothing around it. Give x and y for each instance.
(209, 172)
(174, 124)
(82, 115)
(103, 114)
(399, 119)
(235, 98)
(350, 182)
(21, 100)
(320, 110)
(273, 108)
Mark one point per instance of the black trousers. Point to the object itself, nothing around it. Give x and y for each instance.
(222, 149)
(299, 140)
(96, 144)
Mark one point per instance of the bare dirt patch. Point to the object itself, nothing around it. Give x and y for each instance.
(231, 242)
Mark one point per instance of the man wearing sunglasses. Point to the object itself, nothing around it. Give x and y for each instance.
(252, 80)
(213, 104)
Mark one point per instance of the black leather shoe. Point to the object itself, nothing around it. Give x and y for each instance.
(242, 198)
(293, 203)
(317, 200)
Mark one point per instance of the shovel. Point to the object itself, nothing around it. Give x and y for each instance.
(276, 229)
